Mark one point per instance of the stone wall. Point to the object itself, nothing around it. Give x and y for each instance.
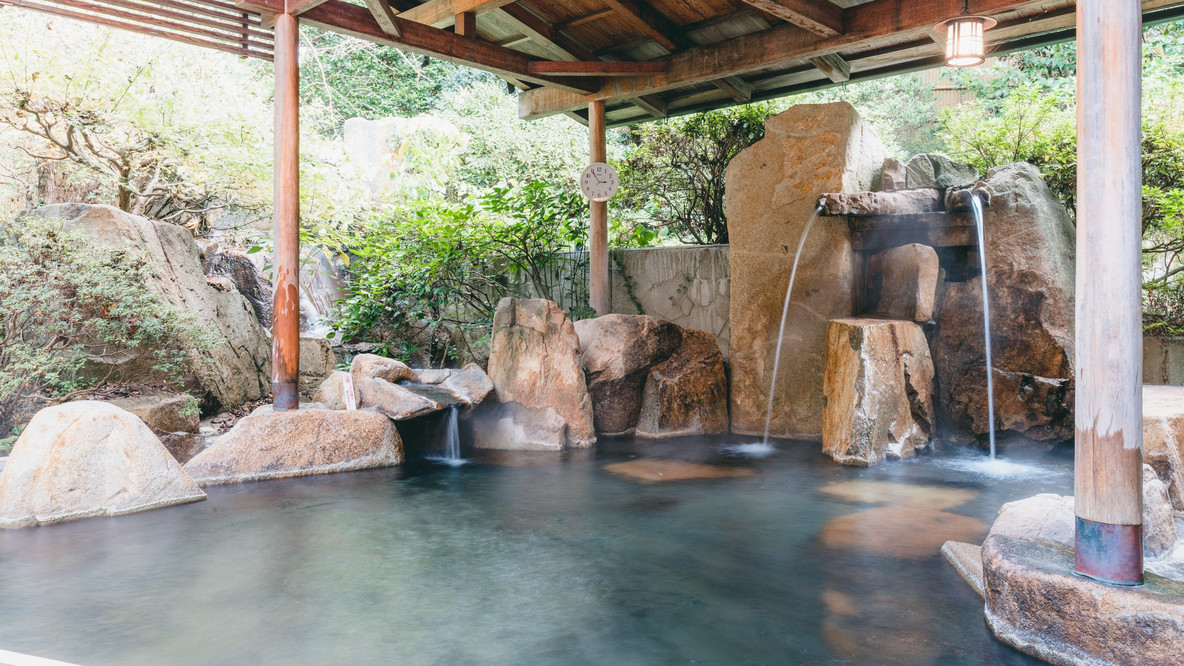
(689, 285)
(1163, 361)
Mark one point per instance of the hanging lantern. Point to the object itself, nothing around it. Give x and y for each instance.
(965, 45)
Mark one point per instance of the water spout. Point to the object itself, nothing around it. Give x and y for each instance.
(784, 315)
(976, 206)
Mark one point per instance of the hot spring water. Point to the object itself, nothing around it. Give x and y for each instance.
(784, 315)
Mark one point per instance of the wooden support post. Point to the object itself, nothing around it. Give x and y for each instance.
(598, 289)
(466, 25)
(1109, 404)
(285, 327)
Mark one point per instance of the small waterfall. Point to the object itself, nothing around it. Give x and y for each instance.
(451, 441)
(976, 206)
(784, 315)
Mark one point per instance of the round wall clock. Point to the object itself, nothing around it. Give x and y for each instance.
(599, 181)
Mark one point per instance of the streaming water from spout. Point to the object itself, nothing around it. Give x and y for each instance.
(784, 315)
(451, 441)
(976, 206)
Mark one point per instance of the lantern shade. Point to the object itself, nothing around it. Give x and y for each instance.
(965, 42)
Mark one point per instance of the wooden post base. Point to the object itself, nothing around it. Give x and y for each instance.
(1109, 553)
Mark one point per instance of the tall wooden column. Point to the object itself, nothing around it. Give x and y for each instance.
(285, 323)
(1109, 370)
(599, 296)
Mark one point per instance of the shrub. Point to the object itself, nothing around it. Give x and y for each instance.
(68, 307)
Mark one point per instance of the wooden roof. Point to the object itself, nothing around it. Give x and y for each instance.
(644, 58)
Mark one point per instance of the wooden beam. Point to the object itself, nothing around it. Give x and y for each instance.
(556, 45)
(285, 326)
(821, 18)
(1108, 480)
(297, 7)
(442, 13)
(385, 16)
(599, 295)
(347, 19)
(867, 26)
(833, 65)
(466, 25)
(651, 104)
(736, 88)
(649, 22)
(597, 68)
(581, 20)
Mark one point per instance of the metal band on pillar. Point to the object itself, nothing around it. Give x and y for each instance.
(598, 288)
(1109, 403)
(285, 327)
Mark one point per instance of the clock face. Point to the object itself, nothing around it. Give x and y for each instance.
(599, 181)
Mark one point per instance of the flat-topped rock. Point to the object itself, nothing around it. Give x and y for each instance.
(470, 384)
(168, 412)
(88, 458)
(898, 202)
(1163, 437)
(270, 444)
(878, 386)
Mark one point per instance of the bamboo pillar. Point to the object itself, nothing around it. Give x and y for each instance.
(285, 327)
(1109, 404)
(599, 296)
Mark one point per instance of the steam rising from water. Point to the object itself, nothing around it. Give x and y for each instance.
(750, 450)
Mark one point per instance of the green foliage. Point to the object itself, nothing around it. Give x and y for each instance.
(676, 171)
(430, 264)
(902, 109)
(66, 303)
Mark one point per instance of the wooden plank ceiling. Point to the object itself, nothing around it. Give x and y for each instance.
(643, 58)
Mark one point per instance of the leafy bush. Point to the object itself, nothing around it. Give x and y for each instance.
(68, 307)
(676, 172)
(433, 265)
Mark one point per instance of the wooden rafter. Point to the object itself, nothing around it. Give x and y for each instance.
(597, 68)
(649, 22)
(347, 19)
(443, 13)
(554, 43)
(833, 65)
(383, 14)
(870, 25)
(820, 18)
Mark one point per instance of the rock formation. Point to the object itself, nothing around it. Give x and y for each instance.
(773, 188)
(375, 385)
(617, 352)
(270, 444)
(317, 362)
(241, 363)
(1163, 437)
(535, 367)
(470, 384)
(687, 394)
(907, 278)
(878, 389)
(1029, 252)
(247, 279)
(938, 171)
(85, 459)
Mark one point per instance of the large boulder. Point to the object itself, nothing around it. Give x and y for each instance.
(85, 459)
(375, 386)
(166, 412)
(617, 351)
(1163, 437)
(270, 445)
(512, 426)
(534, 361)
(1029, 253)
(878, 388)
(687, 394)
(470, 384)
(939, 171)
(773, 189)
(241, 362)
(1036, 604)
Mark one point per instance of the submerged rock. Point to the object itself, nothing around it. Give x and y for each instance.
(878, 389)
(85, 459)
(773, 188)
(687, 394)
(658, 471)
(241, 362)
(1029, 253)
(617, 352)
(534, 361)
(270, 444)
(902, 532)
